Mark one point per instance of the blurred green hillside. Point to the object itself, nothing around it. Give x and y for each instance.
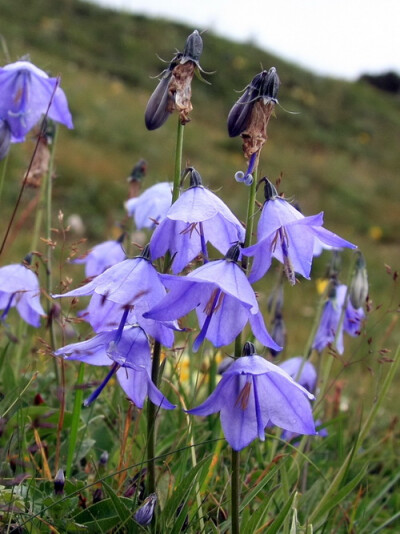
(339, 152)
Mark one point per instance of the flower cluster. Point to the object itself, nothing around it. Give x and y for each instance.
(132, 305)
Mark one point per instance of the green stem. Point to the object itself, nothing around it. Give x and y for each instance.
(3, 173)
(235, 481)
(151, 420)
(235, 492)
(178, 161)
(251, 202)
(151, 408)
(76, 414)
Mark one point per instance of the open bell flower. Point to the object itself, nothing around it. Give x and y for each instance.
(19, 287)
(197, 217)
(132, 284)
(330, 330)
(253, 394)
(285, 234)
(101, 257)
(127, 350)
(223, 298)
(26, 92)
(150, 208)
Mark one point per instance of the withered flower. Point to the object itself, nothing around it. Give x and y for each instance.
(250, 115)
(173, 93)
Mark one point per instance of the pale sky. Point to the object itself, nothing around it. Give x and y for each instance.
(340, 38)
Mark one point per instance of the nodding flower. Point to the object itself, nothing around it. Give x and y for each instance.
(285, 234)
(222, 297)
(253, 394)
(196, 218)
(27, 93)
(19, 288)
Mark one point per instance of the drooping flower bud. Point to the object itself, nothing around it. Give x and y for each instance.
(59, 482)
(103, 458)
(359, 284)
(145, 513)
(278, 333)
(5, 138)
(136, 177)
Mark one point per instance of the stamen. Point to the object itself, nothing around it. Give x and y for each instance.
(244, 395)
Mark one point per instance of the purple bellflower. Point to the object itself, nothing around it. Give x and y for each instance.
(151, 206)
(328, 331)
(133, 285)
(285, 234)
(144, 514)
(253, 394)
(101, 257)
(19, 287)
(223, 298)
(198, 216)
(26, 92)
(308, 376)
(127, 350)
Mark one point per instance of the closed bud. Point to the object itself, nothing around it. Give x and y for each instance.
(103, 458)
(59, 482)
(359, 284)
(270, 85)
(5, 138)
(145, 513)
(193, 48)
(278, 333)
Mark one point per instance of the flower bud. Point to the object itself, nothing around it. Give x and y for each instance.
(193, 48)
(145, 513)
(359, 284)
(59, 482)
(103, 458)
(278, 333)
(270, 86)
